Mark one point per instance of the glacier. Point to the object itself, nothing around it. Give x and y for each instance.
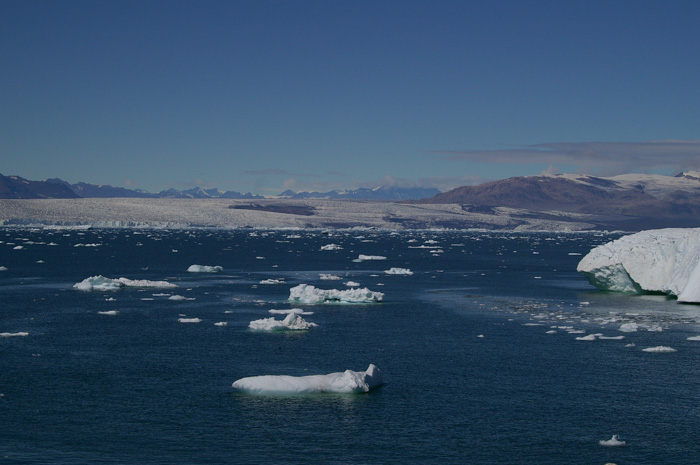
(659, 260)
(346, 382)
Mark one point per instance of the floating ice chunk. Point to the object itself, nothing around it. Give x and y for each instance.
(221, 323)
(101, 283)
(329, 277)
(352, 284)
(18, 247)
(298, 311)
(3, 268)
(694, 338)
(331, 247)
(308, 294)
(18, 334)
(179, 297)
(614, 441)
(293, 321)
(362, 258)
(663, 260)
(341, 382)
(272, 281)
(109, 312)
(189, 320)
(402, 271)
(589, 337)
(660, 349)
(205, 269)
(629, 327)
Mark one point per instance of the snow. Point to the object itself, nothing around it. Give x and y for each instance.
(293, 321)
(101, 283)
(614, 441)
(305, 293)
(401, 271)
(663, 260)
(205, 269)
(342, 382)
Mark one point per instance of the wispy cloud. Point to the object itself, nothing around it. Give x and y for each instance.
(600, 158)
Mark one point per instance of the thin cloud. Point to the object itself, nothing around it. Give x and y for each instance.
(601, 158)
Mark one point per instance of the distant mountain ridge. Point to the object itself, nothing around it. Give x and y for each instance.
(638, 195)
(364, 193)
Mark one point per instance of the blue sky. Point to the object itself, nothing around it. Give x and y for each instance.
(262, 95)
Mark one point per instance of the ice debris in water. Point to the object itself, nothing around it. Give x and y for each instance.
(342, 382)
(272, 281)
(109, 312)
(614, 441)
(293, 321)
(305, 293)
(402, 271)
(17, 334)
(205, 269)
(663, 260)
(362, 258)
(660, 349)
(189, 320)
(331, 247)
(329, 277)
(101, 283)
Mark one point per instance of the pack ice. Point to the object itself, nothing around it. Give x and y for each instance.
(341, 382)
(660, 260)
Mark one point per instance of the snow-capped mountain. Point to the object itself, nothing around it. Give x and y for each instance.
(363, 193)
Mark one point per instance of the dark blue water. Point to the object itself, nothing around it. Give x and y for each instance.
(478, 349)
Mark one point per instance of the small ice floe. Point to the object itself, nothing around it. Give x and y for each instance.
(352, 284)
(272, 281)
(292, 322)
(308, 294)
(364, 258)
(660, 349)
(205, 269)
(101, 283)
(551, 331)
(329, 277)
(287, 311)
(221, 323)
(180, 297)
(331, 247)
(40, 261)
(401, 271)
(694, 338)
(109, 312)
(3, 268)
(614, 441)
(189, 320)
(588, 337)
(18, 247)
(346, 382)
(17, 334)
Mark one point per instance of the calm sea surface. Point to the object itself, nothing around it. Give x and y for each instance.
(480, 349)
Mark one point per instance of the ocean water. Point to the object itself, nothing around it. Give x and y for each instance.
(480, 350)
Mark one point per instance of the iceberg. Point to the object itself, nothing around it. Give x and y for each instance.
(614, 441)
(331, 247)
(660, 349)
(293, 322)
(363, 258)
(305, 293)
(101, 283)
(189, 320)
(401, 271)
(205, 269)
(17, 334)
(343, 382)
(662, 260)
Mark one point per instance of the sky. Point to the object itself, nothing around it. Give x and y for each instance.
(262, 96)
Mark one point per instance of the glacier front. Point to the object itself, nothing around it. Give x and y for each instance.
(342, 382)
(659, 260)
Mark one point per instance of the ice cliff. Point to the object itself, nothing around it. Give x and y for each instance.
(661, 260)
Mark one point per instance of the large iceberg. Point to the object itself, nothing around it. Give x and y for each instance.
(293, 321)
(663, 260)
(101, 283)
(205, 269)
(307, 294)
(341, 382)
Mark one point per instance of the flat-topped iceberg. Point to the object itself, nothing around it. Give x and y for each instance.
(101, 283)
(205, 269)
(342, 382)
(292, 322)
(663, 260)
(305, 293)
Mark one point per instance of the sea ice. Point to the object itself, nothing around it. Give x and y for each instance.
(189, 320)
(352, 284)
(298, 311)
(402, 271)
(18, 334)
(331, 247)
(293, 321)
(663, 260)
(329, 277)
(614, 441)
(109, 312)
(362, 258)
(305, 293)
(205, 269)
(3, 268)
(660, 349)
(272, 281)
(341, 382)
(694, 338)
(101, 283)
